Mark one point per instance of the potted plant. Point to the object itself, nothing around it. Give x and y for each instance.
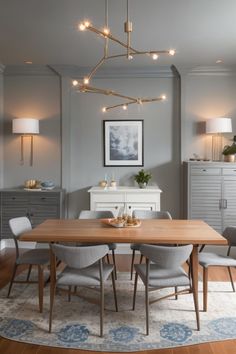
(142, 178)
(229, 152)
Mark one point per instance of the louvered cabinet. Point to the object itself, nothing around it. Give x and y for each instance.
(36, 205)
(210, 193)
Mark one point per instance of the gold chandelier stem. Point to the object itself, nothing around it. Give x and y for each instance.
(106, 26)
(94, 70)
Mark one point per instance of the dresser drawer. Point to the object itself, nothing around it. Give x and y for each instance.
(14, 198)
(108, 197)
(41, 199)
(211, 171)
(229, 171)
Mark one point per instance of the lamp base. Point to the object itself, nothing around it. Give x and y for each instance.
(217, 147)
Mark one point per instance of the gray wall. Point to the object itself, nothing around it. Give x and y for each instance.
(205, 94)
(36, 97)
(161, 140)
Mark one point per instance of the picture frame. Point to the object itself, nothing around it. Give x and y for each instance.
(123, 142)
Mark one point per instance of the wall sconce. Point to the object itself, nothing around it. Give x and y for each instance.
(26, 127)
(217, 126)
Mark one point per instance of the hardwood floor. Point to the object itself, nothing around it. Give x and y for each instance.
(123, 264)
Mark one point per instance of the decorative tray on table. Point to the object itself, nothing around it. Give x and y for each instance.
(122, 222)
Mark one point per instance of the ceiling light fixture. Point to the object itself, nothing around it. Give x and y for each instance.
(130, 52)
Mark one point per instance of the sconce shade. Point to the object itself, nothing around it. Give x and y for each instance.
(218, 125)
(25, 126)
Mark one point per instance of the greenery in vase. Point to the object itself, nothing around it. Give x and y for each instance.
(229, 150)
(142, 177)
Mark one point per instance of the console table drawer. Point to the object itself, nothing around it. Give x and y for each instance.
(205, 171)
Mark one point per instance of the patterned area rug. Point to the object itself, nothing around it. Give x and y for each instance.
(76, 323)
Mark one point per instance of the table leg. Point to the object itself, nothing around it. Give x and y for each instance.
(52, 285)
(194, 271)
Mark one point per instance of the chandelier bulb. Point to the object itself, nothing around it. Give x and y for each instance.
(75, 83)
(172, 52)
(163, 97)
(154, 56)
(104, 109)
(130, 57)
(106, 30)
(86, 80)
(87, 24)
(82, 27)
(125, 107)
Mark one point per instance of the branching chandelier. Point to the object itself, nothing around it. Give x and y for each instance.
(129, 53)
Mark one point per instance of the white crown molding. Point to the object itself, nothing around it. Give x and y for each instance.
(29, 70)
(2, 68)
(114, 72)
(214, 70)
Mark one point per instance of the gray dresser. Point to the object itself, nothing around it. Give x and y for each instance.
(210, 193)
(36, 205)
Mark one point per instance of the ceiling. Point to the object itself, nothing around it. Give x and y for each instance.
(45, 31)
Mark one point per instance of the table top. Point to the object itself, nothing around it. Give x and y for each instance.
(150, 231)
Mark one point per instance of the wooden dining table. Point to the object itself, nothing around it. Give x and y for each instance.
(154, 231)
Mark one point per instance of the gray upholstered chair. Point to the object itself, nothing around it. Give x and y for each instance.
(101, 214)
(38, 257)
(207, 260)
(145, 214)
(163, 269)
(84, 267)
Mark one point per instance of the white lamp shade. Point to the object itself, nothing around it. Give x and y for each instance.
(25, 126)
(218, 125)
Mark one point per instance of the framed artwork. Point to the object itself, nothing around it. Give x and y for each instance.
(123, 142)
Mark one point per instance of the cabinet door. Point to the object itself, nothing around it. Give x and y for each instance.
(115, 208)
(205, 200)
(229, 201)
(130, 207)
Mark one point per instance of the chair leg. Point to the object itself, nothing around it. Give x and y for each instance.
(114, 289)
(205, 288)
(176, 290)
(135, 290)
(69, 293)
(231, 279)
(29, 271)
(141, 259)
(52, 295)
(101, 309)
(132, 265)
(12, 279)
(40, 287)
(108, 260)
(114, 263)
(147, 309)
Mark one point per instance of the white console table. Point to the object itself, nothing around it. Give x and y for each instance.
(124, 199)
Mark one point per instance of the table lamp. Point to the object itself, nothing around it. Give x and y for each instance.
(26, 127)
(216, 127)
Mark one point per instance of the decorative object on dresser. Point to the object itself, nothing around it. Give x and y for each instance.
(123, 142)
(26, 127)
(229, 151)
(142, 178)
(36, 205)
(216, 127)
(210, 193)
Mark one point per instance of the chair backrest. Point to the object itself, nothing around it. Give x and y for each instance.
(167, 257)
(79, 257)
(149, 214)
(19, 225)
(96, 214)
(230, 234)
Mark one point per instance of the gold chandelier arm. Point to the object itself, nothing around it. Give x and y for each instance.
(119, 105)
(96, 67)
(110, 36)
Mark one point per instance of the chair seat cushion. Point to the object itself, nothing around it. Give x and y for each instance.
(84, 277)
(212, 259)
(34, 256)
(159, 278)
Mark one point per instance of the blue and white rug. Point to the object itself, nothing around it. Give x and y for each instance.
(76, 323)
